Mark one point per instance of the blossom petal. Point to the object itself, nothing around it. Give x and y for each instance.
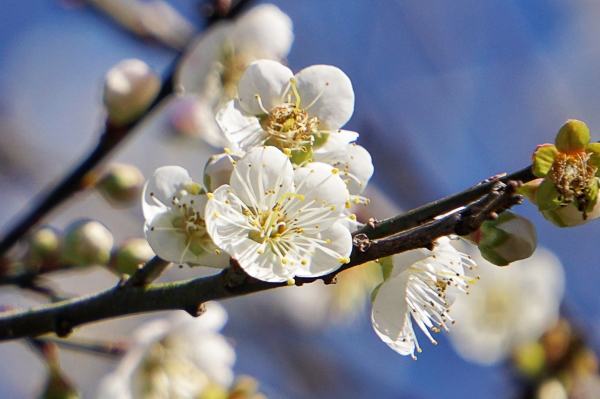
(391, 317)
(264, 31)
(261, 170)
(335, 105)
(353, 161)
(240, 127)
(200, 65)
(266, 78)
(336, 140)
(160, 189)
(327, 256)
(320, 183)
(167, 241)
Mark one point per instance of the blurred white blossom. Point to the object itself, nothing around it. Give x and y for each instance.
(279, 222)
(174, 357)
(212, 68)
(419, 286)
(510, 306)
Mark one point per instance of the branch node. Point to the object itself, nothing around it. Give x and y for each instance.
(196, 311)
(328, 280)
(362, 242)
(63, 328)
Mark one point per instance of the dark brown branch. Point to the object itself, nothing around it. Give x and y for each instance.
(190, 296)
(422, 214)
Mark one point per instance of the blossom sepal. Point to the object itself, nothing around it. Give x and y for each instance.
(543, 158)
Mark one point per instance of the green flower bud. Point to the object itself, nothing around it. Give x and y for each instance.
(530, 359)
(59, 387)
(45, 245)
(121, 185)
(130, 87)
(133, 253)
(507, 239)
(87, 242)
(573, 137)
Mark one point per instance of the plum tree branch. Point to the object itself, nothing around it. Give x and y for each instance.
(190, 295)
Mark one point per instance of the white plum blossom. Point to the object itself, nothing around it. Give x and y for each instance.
(279, 222)
(174, 357)
(510, 306)
(211, 70)
(301, 113)
(420, 287)
(173, 207)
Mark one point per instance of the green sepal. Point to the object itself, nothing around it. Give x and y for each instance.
(573, 137)
(375, 292)
(493, 237)
(593, 151)
(387, 266)
(320, 139)
(529, 189)
(543, 158)
(593, 196)
(298, 157)
(554, 218)
(207, 180)
(194, 188)
(547, 196)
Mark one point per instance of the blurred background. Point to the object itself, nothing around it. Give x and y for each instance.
(447, 95)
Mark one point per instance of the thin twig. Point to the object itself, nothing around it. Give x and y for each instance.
(422, 214)
(190, 295)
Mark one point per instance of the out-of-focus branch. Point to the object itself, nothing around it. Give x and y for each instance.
(126, 299)
(154, 20)
(79, 179)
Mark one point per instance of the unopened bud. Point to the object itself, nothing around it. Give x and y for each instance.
(45, 246)
(530, 358)
(218, 170)
(130, 87)
(58, 385)
(87, 242)
(507, 239)
(573, 137)
(121, 185)
(245, 387)
(193, 116)
(132, 254)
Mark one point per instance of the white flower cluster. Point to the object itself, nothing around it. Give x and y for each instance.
(277, 201)
(278, 204)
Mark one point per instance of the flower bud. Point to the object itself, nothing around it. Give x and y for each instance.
(130, 87)
(121, 185)
(132, 254)
(218, 170)
(507, 239)
(87, 242)
(573, 137)
(45, 246)
(58, 385)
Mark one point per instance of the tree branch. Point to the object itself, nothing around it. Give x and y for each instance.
(190, 295)
(420, 215)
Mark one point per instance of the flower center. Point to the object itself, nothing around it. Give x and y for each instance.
(273, 224)
(290, 126)
(573, 178)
